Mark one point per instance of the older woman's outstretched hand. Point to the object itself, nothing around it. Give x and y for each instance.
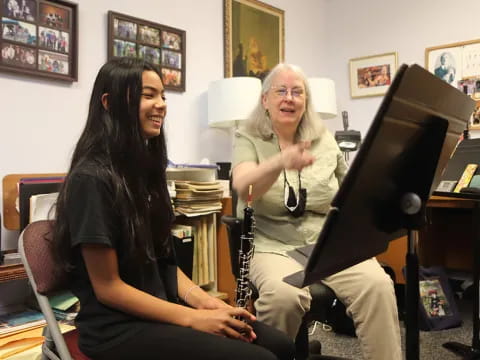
(297, 156)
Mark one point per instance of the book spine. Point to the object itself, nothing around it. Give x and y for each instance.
(466, 177)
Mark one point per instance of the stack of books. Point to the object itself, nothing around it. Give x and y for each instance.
(195, 198)
(65, 306)
(20, 321)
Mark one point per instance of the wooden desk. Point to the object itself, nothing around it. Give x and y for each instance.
(446, 239)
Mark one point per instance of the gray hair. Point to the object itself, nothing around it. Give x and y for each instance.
(259, 123)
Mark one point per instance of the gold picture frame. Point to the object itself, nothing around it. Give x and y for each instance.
(254, 38)
(372, 75)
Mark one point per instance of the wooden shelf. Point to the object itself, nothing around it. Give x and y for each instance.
(12, 272)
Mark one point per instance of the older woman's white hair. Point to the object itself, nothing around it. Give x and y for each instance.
(259, 123)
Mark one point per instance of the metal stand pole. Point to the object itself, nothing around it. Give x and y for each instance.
(411, 204)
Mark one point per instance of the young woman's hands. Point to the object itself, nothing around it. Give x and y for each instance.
(225, 322)
(212, 303)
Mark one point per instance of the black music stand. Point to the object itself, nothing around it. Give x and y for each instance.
(467, 152)
(387, 187)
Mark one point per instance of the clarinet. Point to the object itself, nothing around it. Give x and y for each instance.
(245, 254)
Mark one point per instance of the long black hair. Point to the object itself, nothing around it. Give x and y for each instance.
(135, 168)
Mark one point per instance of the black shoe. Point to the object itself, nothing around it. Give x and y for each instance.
(314, 347)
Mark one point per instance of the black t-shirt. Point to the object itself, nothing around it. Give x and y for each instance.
(92, 219)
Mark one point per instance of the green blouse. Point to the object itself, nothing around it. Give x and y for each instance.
(276, 230)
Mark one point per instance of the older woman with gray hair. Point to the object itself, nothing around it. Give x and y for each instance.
(296, 167)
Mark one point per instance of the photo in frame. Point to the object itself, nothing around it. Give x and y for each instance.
(163, 46)
(372, 75)
(254, 38)
(39, 38)
(455, 62)
(459, 65)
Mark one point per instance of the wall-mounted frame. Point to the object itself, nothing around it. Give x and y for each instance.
(39, 38)
(372, 75)
(161, 45)
(459, 65)
(454, 62)
(254, 37)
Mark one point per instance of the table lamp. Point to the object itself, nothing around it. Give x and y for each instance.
(232, 100)
(323, 97)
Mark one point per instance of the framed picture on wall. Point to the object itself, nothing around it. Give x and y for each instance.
(254, 40)
(39, 38)
(459, 65)
(372, 75)
(455, 63)
(161, 45)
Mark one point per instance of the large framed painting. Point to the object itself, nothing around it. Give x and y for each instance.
(39, 38)
(254, 38)
(161, 45)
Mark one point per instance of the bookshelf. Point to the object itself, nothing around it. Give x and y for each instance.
(223, 284)
(12, 272)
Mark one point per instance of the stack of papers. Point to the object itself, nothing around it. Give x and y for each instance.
(195, 198)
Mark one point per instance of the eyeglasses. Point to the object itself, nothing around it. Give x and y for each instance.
(282, 92)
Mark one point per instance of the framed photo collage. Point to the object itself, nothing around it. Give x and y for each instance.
(39, 38)
(160, 45)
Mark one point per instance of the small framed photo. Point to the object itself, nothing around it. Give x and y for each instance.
(19, 56)
(171, 77)
(39, 38)
(446, 186)
(149, 35)
(124, 48)
(53, 62)
(54, 16)
(19, 31)
(51, 39)
(152, 55)
(372, 75)
(171, 40)
(20, 9)
(161, 45)
(172, 59)
(125, 29)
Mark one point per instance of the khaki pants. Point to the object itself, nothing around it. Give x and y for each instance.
(365, 289)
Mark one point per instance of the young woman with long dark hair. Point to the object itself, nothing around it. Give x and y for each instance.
(112, 233)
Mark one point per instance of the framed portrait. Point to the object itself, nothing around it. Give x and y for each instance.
(455, 62)
(459, 65)
(162, 46)
(39, 38)
(254, 38)
(372, 75)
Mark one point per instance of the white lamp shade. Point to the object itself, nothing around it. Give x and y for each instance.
(232, 99)
(323, 96)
